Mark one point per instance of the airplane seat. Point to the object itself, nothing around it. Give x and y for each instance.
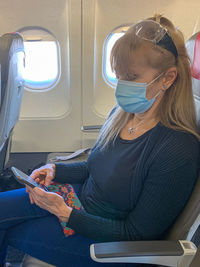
(12, 83)
(176, 250)
(193, 48)
(189, 220)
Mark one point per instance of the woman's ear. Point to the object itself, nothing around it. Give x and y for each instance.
(169, 78)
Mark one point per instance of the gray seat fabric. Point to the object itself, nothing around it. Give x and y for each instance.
(12, 83)
(196, 260)
(29, 261)
(189, 220)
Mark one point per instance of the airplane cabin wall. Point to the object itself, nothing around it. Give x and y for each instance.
(51, 121)
(48, 120)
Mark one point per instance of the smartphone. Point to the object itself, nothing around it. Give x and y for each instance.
(24, 179)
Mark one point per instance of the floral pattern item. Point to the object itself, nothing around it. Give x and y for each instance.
(70, 198)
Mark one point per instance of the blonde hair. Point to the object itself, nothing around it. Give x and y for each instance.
(176, 109)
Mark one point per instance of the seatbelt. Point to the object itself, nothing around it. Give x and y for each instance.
(71, 156)
(195, 69)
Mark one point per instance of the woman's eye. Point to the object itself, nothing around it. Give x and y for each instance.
(127, 78)
(132, 78)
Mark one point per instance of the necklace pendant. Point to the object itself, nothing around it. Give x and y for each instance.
(130, 130)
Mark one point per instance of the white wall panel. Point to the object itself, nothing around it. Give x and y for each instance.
(54, 16)
(51, 120)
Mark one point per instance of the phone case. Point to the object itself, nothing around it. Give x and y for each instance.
(23, 178)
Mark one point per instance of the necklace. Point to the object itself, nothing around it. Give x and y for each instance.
(134, 129)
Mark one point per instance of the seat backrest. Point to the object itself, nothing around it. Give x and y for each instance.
(12, 65)
(188, 221)
(193, 48)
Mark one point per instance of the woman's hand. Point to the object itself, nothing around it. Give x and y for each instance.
(43, 176)
(50, 201)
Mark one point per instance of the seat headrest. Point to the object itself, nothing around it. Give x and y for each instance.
(10, 43)
(193, 48)
(195, 69)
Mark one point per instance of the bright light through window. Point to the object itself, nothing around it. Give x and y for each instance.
(41, 68)
(113, 36)
(111, 41)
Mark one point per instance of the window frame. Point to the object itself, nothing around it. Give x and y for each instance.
(51, 85)
(119, 29)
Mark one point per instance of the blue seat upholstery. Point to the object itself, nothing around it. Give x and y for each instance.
(11, 90)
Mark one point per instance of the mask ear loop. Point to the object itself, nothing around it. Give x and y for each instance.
(155, 79)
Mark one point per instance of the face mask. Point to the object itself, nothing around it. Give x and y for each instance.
(131, 96)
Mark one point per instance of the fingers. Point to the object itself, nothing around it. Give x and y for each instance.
(31, 199)
(44, 175)
(39, 195)
(36, 196)
(40, 198)
(49, 177)
(36, 174)
(39, 191)
(29, 191)
(49, 201)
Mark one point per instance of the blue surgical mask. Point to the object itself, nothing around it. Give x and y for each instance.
(131, 96)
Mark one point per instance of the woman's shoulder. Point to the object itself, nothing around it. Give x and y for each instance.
(179, 136)
(176, 142)
(171, 149)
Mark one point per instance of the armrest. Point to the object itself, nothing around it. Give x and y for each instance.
(168, 253)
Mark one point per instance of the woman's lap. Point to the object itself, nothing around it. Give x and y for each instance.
(50, 245)
(39, 233)
(43, 238)
(15, 207)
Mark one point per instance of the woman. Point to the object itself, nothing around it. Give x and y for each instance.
(141, 171)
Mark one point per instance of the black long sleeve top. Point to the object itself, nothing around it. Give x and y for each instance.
(134, 189)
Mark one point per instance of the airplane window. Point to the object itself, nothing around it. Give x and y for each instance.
(42, 64)
(108, 75)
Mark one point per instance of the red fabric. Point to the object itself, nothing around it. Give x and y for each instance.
(195, 70)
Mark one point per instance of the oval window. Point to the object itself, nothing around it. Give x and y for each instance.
(112, 37)
(42, 68)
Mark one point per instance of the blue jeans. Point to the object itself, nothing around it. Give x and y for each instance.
(38, 233)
